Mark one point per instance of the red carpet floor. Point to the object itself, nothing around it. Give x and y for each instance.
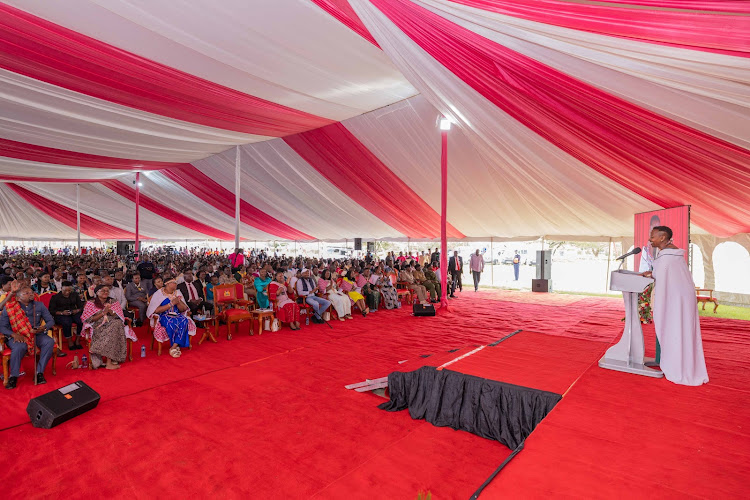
(268, 416)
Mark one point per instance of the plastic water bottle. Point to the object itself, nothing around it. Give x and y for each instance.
(143, 351)
(84, 361)
(398, 304)
(307, 319)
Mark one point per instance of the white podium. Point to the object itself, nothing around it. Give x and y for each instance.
(627, 354)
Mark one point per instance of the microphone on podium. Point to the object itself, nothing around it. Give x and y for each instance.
(634, 251)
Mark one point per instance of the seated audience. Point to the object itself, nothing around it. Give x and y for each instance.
(6, 282)
(168, 305)
(81, 286)
(384, 284)
(66, 307)
(226, 277)
(137, 297)
(43, 285)
(368, 290)
(406, 276)
(421, 278)
(210, 288)
(21, 323)
(349, 286)
(104, 326)
(115, 293)
(194, 294)
(306, 288)
(158, 284)
(287, 310)
(261, 283)
(339, 299)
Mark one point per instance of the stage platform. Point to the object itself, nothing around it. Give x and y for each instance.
(268, 416)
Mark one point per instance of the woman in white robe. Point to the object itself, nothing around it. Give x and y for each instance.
(339, 299)
(675, 313)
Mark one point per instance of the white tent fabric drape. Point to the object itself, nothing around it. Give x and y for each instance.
(39, 113)
(289, 52)
(701, 90)
(18, 221)
(283, 185)
(506, 180)
(166, 192)
(101, 204)
(551, 192)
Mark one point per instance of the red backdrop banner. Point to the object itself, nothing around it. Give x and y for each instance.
(677, 219)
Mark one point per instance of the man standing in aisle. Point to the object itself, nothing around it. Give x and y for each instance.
(516, 265)
(477, 266)
(456, 267)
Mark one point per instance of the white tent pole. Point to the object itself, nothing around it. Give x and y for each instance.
(78, 215)
(492, 262)
(609, 257)
(237, 199)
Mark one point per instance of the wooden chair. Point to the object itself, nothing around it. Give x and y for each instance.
(228, 307)
(248, 303)
(706, 298)
(402, 290)
(5, 350)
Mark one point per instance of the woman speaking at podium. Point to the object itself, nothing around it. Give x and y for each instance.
(675, 312)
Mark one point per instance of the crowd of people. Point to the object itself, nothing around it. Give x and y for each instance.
(104, 295)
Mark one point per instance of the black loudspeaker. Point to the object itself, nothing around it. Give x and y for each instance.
(358, 243)
(423, 310)
(125, 247)
(541, 285)
(543, 264)
(58, 406)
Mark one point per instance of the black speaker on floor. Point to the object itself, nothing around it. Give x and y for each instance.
(358, 243)
(541, 285)
(423, 310)
(60, 405)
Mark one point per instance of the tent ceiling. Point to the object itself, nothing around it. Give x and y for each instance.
(570, 117)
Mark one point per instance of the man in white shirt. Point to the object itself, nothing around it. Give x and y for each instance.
(306, 288)
(114, 292)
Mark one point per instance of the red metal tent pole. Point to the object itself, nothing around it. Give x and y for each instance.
(443, 221)
(137, 206)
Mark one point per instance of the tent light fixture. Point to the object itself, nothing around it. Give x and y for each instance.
(445, 124)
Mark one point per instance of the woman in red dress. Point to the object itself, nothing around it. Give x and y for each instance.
(287, 310)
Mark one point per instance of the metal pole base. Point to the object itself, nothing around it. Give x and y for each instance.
(629, 367)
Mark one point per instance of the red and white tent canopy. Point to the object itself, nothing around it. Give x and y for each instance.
(570, 116)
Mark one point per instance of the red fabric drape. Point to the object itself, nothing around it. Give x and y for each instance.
(163, 211)
(32, 152)
(89, 226)
(342, 159)
(341, 10)
(734, 6)
(660, 159)
(23, 178)
(200, 185)
(709, 32)
(51, 53)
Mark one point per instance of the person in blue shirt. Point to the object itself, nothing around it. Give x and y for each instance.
(35, 312)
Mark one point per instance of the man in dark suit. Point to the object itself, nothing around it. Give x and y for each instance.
(456, 267)
(193, 294)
